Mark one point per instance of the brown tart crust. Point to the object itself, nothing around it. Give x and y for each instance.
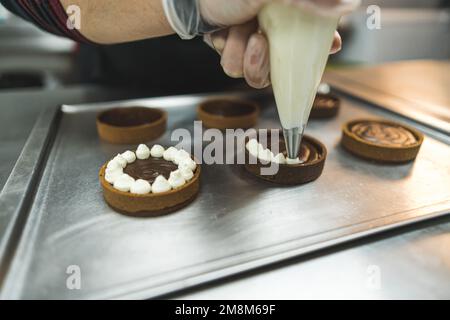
(312, 152)
(325, 106)
(131, 125)
(152, 204)
(381, 140)
(228, 113)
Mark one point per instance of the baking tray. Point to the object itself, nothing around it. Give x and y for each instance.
(237, 223)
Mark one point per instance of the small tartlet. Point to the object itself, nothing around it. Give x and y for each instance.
(381, 140)
(325, 106)
(131, 125)
(228, 113)
(170, 196)
(307, 168)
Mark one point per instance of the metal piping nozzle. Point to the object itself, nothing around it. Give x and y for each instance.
(293, 138)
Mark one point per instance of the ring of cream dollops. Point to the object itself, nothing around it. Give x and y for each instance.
(121, 181)
(257, 150)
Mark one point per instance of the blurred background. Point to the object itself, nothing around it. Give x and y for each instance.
(411, 29)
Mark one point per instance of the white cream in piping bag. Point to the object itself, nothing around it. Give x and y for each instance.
(300, 43)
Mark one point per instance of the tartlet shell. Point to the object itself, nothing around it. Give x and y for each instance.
(372, 151)
(326, 113)
(152, 204)
(221, 122)
(133, 134)
(292, 174)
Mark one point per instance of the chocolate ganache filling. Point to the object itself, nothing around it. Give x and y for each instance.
(308, 153)
(384, 134)
(150, 169)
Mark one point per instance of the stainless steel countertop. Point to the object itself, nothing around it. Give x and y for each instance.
(407, 263)
(414, 264)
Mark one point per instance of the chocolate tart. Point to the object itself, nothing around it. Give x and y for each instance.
(381, 140)
(312, 152)
(228, 113)
(131, 125)
(325, 106)
(150, 204)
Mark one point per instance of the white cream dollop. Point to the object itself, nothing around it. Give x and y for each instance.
(186, 173)
(265, 155)
(161, 185)
(143, 152)
(324, 88)
(261, 148)
(141, 187)
(279, 158)
(184, 154)
(180, 156)
(121, 160)
(130, 156)
(123, 183)
(111, 175)
(170, 153)
(252, 147)
(187, 163)
(113, 165)
(293, 161)
(176, 179)
(157, 151)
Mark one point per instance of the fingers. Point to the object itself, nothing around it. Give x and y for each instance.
(256, 62)
(245, 53)
(218, 40)
(207, 39)
(337, 43)
(235, 47)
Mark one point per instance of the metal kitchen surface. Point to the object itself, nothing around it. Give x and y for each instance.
(237, 222)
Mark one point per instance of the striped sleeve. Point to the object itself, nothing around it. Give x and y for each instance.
(46, 14)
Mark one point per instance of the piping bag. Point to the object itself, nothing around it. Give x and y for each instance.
(300, 35)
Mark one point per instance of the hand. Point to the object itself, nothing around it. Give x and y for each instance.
(244, 50)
